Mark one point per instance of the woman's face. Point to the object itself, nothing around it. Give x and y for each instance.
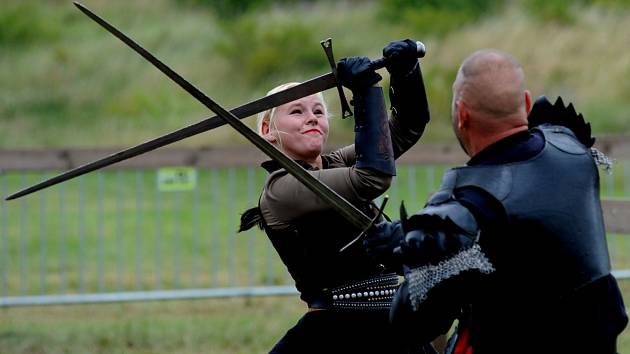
(300, 128)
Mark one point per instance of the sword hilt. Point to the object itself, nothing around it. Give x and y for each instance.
(345, 107)
(376, 64)
(369, 226)
(382, 62)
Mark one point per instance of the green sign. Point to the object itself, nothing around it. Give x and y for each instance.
(176, 179)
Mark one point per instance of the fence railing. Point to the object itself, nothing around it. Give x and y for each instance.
(163, 225)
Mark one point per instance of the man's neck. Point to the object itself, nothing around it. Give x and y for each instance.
(477, 145)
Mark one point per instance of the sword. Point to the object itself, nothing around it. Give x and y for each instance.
(309, 87)
(349, 211)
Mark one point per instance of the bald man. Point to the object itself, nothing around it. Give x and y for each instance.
(490, 101)
(513, 244)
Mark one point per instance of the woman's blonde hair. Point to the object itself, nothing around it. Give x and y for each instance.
(270, 114)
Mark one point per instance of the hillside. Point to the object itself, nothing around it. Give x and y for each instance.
(67, 82)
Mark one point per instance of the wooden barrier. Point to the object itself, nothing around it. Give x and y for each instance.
(617, 215)
(616, 211)
(236, 156)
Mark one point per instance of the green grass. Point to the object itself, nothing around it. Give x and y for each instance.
(37, 235)
(114, 231)
(67, 82)
(230, 326)
(137, 237)
(213, 326)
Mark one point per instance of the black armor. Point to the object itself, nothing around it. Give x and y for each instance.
(537, 276)
(557, 238)
(562, 223)
(408, 99)
(372, 141)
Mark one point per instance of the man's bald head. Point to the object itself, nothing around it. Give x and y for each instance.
(490, 101)
(491, 83)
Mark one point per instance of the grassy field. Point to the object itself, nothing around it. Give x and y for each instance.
(213, 326)
(227, 326)
(113, 231)
(116, 230)
(66, 82)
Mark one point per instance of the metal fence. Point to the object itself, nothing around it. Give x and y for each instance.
(170, 232)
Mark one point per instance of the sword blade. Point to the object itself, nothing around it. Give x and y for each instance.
(317, 84)
(349, 211)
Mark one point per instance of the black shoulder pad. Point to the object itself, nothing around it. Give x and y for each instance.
(543, 112)
(450, 216)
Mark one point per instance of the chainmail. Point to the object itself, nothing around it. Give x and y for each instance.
(602, 160)
(423, 279)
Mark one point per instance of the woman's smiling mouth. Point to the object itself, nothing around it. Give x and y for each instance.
(310, 131)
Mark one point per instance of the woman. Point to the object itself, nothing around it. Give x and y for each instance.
(348, 294)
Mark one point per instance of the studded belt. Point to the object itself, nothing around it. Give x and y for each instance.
(374, 293)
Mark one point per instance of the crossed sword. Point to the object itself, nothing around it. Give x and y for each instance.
(307, 88)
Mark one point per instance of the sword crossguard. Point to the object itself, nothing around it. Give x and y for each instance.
(345, 107)
(369, 226)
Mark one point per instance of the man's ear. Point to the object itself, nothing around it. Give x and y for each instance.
(528, 102)
(463, 116)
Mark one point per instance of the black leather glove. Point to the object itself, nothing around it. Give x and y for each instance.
(407, 95)
(402, 57)
(356, 73)
(430, 246)
(382, 242)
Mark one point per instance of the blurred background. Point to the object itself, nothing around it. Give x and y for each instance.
(143, 257)
(67, 82)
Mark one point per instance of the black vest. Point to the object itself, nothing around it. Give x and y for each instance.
(555, 239)
(310, 251)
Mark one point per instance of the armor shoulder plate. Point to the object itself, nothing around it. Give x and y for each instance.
(543, 112)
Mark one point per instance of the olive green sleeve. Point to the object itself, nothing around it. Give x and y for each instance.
(284, 198)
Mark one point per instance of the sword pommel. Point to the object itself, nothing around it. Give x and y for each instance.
(422, 49)
(382, 62)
